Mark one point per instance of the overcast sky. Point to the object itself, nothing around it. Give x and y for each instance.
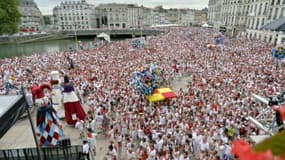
(46, 6)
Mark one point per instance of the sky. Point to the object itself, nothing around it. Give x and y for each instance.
(46, 6)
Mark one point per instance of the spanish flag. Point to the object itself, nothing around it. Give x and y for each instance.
(161, 94)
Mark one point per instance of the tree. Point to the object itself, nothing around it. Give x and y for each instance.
(10, 16)
(47, 20)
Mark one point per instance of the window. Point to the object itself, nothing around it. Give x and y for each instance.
(275, 14)
(265, 9)
(260, 8)
(257, 24)
(255, 9)
(270, 14)
(270, 38)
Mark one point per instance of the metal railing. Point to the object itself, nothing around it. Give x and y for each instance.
(47, 153)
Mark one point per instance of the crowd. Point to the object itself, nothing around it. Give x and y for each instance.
(200, 124)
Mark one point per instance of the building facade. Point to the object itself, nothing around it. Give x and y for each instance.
(74, 15)
(215, 14)
(32, 19)
(200, 17)
(186, 17)
(254, 19)
(115, 15)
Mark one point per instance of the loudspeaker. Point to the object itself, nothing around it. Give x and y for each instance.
(279, 120)
(65, 143)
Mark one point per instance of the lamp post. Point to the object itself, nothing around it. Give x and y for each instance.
(75, 36)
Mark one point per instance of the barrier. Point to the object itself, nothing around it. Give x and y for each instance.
(48, 153)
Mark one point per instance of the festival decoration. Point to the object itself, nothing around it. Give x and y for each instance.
(278, 53)
(145, 80)
(219, 39)
(137, 43)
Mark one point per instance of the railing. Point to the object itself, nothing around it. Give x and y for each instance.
(113, 31)
(47, 153)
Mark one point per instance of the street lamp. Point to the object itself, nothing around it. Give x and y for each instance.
(75, 36)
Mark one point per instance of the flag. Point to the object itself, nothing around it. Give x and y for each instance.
(162, 94)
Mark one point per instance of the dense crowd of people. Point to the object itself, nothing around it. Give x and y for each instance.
(200, 124)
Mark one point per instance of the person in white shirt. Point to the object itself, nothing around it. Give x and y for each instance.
(91, 136)
(98, 122)
(204, 146)
(184, 156)
(151, 152)
(80, 126)
(85, 150)
(131, 154)
(112, 152)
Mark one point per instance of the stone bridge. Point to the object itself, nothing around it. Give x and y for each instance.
(113, 32)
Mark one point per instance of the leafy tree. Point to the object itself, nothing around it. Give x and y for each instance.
(47, 20)
(10, 16)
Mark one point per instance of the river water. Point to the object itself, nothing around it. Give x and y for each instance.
(11, 50)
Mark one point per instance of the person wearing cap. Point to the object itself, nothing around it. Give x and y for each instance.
(48, 125)
(73, 108)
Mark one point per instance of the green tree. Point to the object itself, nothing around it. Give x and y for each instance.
(47, 20)
(10, 16)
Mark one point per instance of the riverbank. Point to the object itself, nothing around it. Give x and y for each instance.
(30, 38)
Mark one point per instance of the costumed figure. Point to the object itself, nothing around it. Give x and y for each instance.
(56, 94)
(48, 125)
(72, 106)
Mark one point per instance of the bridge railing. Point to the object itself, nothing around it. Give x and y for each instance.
(47, 153)
(113, 31)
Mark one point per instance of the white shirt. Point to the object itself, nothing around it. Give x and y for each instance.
(85, 148)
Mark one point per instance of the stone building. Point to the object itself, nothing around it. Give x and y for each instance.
(74, 15)
(32, 19)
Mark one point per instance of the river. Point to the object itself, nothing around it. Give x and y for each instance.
(11, 50)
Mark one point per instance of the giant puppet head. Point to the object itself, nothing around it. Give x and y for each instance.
(39, 97)
(55, 78)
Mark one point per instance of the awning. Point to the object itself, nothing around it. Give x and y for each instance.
(11, 108)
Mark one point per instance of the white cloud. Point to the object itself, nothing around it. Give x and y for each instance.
(46, 6)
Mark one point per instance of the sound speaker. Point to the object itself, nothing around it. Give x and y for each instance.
(279, 120)
(65, 143)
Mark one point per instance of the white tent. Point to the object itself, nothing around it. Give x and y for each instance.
(206, 25)
(105, 36)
